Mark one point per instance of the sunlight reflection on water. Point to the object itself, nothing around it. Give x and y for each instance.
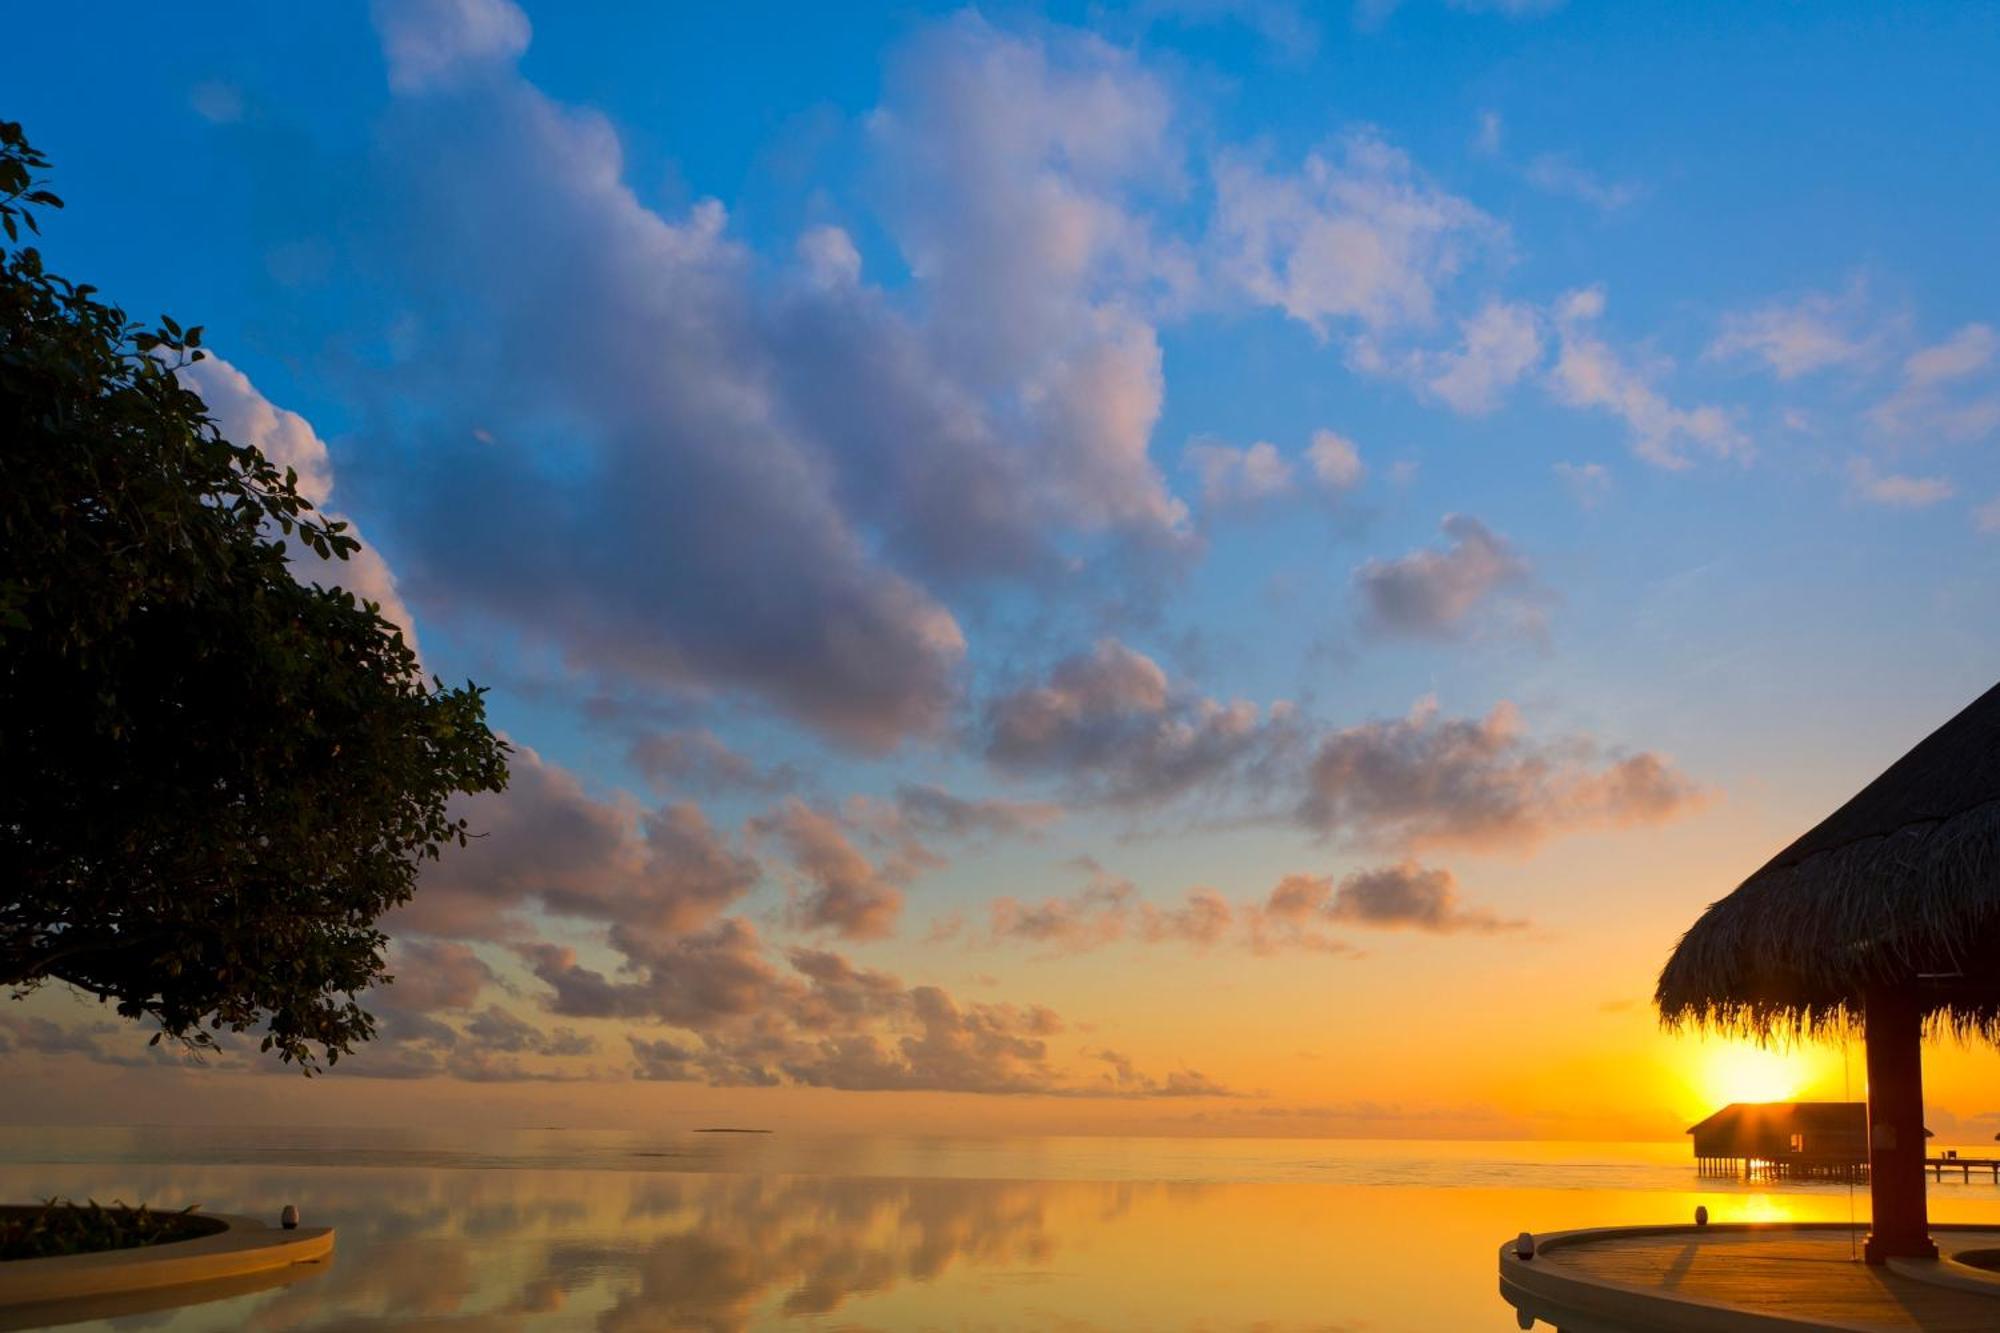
(1080, 1234)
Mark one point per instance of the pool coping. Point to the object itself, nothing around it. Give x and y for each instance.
(244, 1246)
(1581, 1303)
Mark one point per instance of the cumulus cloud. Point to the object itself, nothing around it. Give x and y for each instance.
(663, 379)
(832, 457)
(1436, 594)
(1097, 915)
(1590, 373)
(245, 416)
(1020, 165)
(1203, 919)
(33, 1034)
(429, 43)
(431, 974)
(1335, 462)
(1896, 490)
(1108, 724)
(498, 1030)
(1106, 910)
(545, 840)
(847, 893)
(825, 1023)
(1356, 237)
(699, 762)
(1498, 345)
(1426, 781)
(1403, 896)
(1237, 478)
(1945, 393)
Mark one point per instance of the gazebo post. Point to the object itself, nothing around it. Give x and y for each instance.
(1894, 1029)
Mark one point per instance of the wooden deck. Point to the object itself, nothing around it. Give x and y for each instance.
(1747, 1278)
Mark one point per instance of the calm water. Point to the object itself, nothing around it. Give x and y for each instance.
(614, 1231)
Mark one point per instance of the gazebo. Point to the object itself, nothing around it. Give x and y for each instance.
(1883, 918)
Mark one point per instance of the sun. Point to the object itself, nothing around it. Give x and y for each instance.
(1743, 1072)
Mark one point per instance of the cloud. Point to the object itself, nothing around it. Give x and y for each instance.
(245, 416)
(1107, 723)
(1987, 516)
(1589, 373)
(1435, 594)
(1425, 781)
(35, 1035)
(1020, 166)
(1896, 490)
(857, 453)
(699, 762)
(431, 43)
(1945, 392)
(824, 1023)
(1587, 483)
(1404, 896)
(1557, 175)
(1239, 478)
(1498, 345)
(1335, 462)
(1202, 920)
(1097, 915)
(1106, 910)
(694, 981)
(430, 975)
(544, 840)
(848, 894)
(1357, 236)
(1815, 332)
(933, 810)
(1128, 1081)
(498, 1030)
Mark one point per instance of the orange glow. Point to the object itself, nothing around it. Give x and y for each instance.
(1744, 1072)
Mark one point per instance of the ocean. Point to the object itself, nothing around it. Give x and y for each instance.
(624, 1231)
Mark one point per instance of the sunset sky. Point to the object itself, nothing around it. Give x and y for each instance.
(1171, 567)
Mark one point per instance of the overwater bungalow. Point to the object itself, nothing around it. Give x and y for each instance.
(1882, 921)
(1785, 1139)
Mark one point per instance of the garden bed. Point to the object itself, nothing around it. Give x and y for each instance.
(58, 1227)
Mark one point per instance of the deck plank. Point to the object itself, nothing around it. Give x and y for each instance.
(1801, 1275)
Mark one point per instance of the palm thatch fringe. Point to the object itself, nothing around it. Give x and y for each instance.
(1794, 949)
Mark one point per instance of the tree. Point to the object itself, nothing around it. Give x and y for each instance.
(214, 779)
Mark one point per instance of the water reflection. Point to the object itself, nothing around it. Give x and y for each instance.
(629, 1250)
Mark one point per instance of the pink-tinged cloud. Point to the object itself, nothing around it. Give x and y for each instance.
(546, 841)
(1425, 781)
(1440, 594)
(245, 416)
(1106, 723)
(846, 893)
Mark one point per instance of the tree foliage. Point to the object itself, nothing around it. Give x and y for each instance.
(214, 778)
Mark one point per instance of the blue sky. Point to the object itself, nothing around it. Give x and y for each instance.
(1168, 431)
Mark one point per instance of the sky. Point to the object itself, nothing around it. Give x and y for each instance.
(1179, 567)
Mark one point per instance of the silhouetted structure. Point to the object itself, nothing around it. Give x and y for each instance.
(1823, 1140)
(1883, 917)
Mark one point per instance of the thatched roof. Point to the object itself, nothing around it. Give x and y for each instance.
(1900, 886)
